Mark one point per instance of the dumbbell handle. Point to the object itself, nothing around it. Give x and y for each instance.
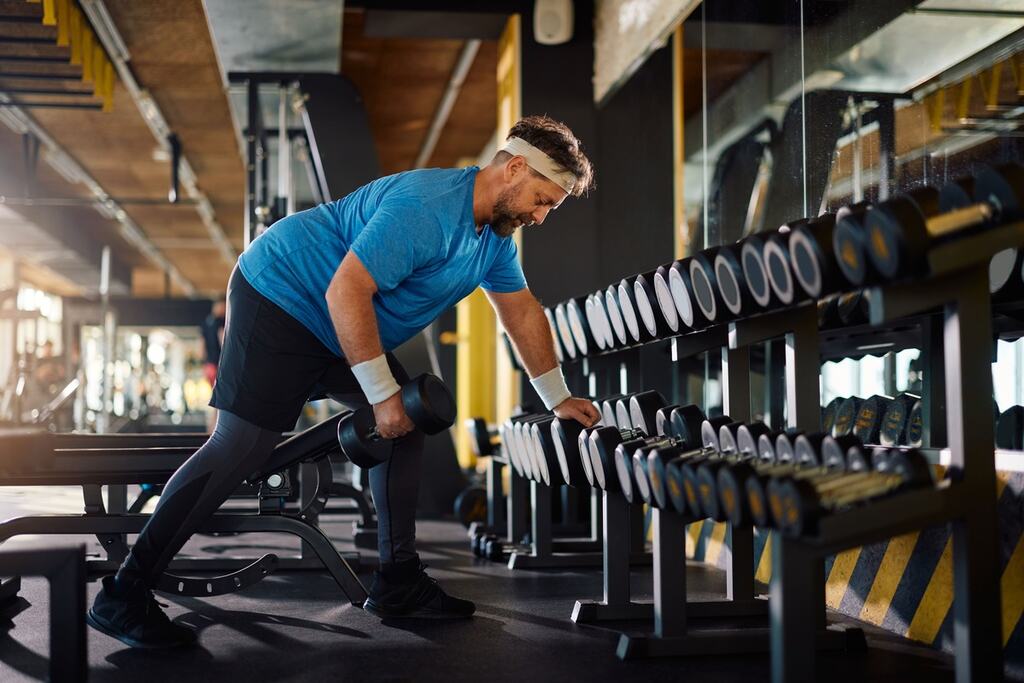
(958, 219)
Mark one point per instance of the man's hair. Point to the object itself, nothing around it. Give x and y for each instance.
(555, 139)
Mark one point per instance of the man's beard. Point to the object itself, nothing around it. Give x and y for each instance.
(504, 219)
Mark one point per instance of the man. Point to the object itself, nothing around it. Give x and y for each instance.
(319, 301)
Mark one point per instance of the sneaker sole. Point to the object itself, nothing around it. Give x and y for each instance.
(104, 628)
(419, 613)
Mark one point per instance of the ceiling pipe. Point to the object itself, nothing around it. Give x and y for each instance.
(107, 32)
(444, 108)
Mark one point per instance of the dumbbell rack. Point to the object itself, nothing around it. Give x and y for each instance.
(546, 552)
(959, 286)
(672, 635)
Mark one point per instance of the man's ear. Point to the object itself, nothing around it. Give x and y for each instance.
(514, 168)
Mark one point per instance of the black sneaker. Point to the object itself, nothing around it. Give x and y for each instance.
(421, 596)
(134, 617)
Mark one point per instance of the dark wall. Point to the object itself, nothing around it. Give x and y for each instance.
(625, 225)
(562, 257)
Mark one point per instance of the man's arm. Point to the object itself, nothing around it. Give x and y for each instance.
(523, 319)
(350, 303)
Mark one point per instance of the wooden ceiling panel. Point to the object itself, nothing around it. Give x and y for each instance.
(473, 118)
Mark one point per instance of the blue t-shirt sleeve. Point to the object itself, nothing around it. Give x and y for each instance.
(398, 239)
(505, 274)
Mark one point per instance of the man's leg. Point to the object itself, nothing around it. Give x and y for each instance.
(125, 608)
(400, 587)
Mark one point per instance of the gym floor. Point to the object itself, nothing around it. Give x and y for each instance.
(299, 627)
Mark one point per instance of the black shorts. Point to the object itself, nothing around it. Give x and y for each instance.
(271, 364)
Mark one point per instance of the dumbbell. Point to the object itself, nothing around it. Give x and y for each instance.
(705, 286)
(896, 419)
(565, 438)
(611, 305)
(681, 288)
(688, 468)
(828, 312)
(776, 455)
(565, 331)
(482, 439)
(631, 457)
(603, 442)
(684, 426)
(582, 335)
(846, 415)
(854, 308)
(627, 306)
(777, 265)
(426, 401)
(648, 308)
(707, 472)
(848, 245)
(733, 289)
(663, 295)
(597, 313)
(805, 502)
(521, 445)
(513, 449)
(1010, 429)
(828, 417)
(902, 230)
(559, 354)
(650, 487)
(813, 258)
(732, 476)
(755, 274)
(867, 425)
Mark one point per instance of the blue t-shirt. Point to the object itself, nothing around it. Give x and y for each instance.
(415, 234)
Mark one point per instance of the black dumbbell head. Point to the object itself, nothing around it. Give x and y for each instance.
(681, 287)
(611, 305)
(732, 492)
(766, 446)
(554, 334)
(915, 426)
(785, 449)
(565, 332)
(897, 233)
(776, 263)
(663, 420)
(894, 422)
(705, 287)
(479, 436)
(834, 450)
(601, 446)
(607, 410)
(912, 466)
(564, 435)
(627, 306)
(648, 308)
(754, 272)
(846, 416)
(1004, 274)
(1003, 187)
(728, 438)
(807, 448)
(848, 246)
(868, 423)
(709, 431)
(828, 419)
(582, 335)
(544, 448)
(747, 436)
(594, 322)
(686, 425)
(429, 404)
(663, 294)
(643, 410)
(813, 259)
(643, 484)
(622, 418)
(732, 283)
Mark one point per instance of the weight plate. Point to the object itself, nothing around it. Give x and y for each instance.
(643, 410)
(679, 285)
(581, 334)
(729, 287)
(703, 288)
(628, 309)
(747, 436)
(848, 248)
(1002, 268)
(595, 326)
(564, 331)
(805, 258)
(686, 425)
(846, 414)
(665, 301)
(754, 273)
(554, 334)
(643, 486)
(776, 262)
(611, 304)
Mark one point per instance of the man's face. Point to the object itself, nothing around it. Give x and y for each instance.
(524, 202)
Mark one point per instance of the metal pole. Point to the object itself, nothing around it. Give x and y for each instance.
(103, 417)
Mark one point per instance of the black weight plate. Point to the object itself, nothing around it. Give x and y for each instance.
(812, 259)
(915, 426)
(429, 403)
(686, 425)
(776, 263)
(807, 448)
(647, 306)
(834, 450)
(785, 450)
(709, 431)
(564, 331)
(682, 295)
(554, 334)
(643, 485)
(666, 303)
(732, 286)
(754, 273)
(663, 420)
(894, 422)
(575, 310)
(356, 443)
(702, 280)
(611, 305)
(848, 246)
(594, 321)
(627, 306)
(727, 438)
(623, 470)
(1002, 186)
(471, 505)
(564, 435)
(897, 232)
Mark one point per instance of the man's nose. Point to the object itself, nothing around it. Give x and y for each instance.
(539, 215)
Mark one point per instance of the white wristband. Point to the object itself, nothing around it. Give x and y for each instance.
(375, 379)
(551, 387)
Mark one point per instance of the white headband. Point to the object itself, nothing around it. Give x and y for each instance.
(541, 163)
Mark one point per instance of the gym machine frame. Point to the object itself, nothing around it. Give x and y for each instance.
(959, 286)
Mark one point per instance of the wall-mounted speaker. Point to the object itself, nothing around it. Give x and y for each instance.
(552, 21)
